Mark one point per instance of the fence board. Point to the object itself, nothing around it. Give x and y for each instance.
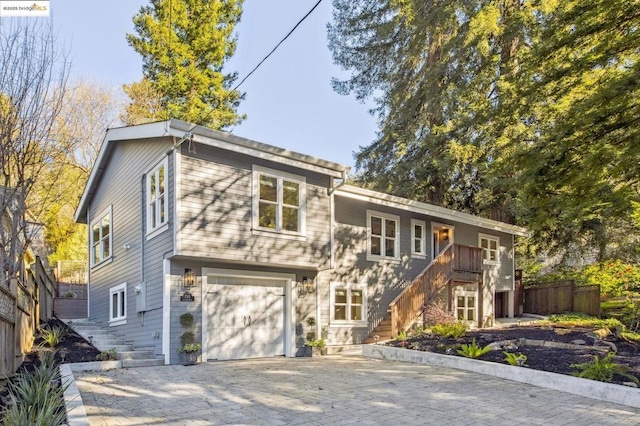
(559, 297)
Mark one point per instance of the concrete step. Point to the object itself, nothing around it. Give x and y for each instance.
(344, 350)
(127, 355)
(118, 348)
(88, 328)
(94, 332)
(108, 341)
(151, 362)
(382, 338)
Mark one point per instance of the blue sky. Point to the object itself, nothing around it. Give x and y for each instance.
(289, 101)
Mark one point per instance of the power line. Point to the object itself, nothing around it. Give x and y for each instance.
(262, 61)
(278, 45)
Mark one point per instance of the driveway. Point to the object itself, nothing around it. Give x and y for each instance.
(329, 390)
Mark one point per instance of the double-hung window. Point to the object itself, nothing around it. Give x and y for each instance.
(348, 303)
(118, 305)
(101, 233)
(490, 248)
(418, 238)
(279, 201)
(157, 205)
(383, 236)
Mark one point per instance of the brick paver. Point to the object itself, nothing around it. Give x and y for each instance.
(330, 391)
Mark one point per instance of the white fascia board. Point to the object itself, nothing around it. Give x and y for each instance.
(259, 149)
(151, 130)
(428, 209)
(219, 143)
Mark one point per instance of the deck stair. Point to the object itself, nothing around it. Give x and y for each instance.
(382, 330)
(104, 340)
(455, 264)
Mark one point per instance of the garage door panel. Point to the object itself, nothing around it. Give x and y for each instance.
(245, 320)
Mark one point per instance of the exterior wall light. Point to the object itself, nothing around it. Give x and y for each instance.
(305, 287)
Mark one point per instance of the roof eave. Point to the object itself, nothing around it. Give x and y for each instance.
(429, 209)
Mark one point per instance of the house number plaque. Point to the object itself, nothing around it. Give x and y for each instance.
(187, 297)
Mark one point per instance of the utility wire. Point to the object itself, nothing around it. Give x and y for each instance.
(278, 45)
(260, 63)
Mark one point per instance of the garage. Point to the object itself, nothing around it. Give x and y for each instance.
(246, 315)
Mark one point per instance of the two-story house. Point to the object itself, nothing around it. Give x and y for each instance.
(254, 240)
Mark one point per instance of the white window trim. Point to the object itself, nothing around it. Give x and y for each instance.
(332, 300)
(423, 238)
(376, 257)
(466, 292)
(302, 209)
(121, 320)
(106, 212)
(490, 238)
(158, 229)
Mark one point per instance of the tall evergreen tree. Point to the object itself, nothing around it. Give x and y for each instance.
(580, 167)
(184, 45)
(440, 72)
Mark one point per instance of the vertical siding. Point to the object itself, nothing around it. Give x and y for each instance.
(122, 188)
(216, 218)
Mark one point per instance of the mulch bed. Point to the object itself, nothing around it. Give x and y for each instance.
(544, 358)
(74, 346)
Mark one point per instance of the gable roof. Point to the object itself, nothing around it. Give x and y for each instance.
(180, 131)
(383, 199)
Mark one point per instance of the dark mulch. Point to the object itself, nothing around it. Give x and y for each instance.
(544, 358)
(74, 347)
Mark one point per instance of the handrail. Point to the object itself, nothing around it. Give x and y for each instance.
(432, 279)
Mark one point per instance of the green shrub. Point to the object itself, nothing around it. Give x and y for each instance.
(472, 350)
(576, 319)
(515, 359)
(402, 336)
(109, 355)
(456, 330)
(187, 337)
(38, 400)
(319, 343)
(190, 347)
(53, 336)
(311, 336)
(186, 320)
(602, 370)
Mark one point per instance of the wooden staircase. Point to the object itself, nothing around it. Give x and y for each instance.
(382, 330)
(456, 263)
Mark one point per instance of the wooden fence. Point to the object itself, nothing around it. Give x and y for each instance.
(560, 297)
(27, 301)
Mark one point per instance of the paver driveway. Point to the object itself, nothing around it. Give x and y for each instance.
(329, 391)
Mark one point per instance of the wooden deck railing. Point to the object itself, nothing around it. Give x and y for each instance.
(431, 280)
(467, 259)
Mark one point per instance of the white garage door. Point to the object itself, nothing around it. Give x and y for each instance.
(245, 318)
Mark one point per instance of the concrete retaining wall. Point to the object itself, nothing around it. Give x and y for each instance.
(588, 388)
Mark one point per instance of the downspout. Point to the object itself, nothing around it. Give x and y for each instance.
(143, 182)
(332, 213)
(332, 218)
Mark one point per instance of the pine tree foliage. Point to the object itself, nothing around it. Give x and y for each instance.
(184, 45)
(580, 168)
(439, 71)
(511, 109)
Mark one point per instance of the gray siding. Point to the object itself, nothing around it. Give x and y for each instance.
(303, 308)
(216, 213)
(385, 279)
(122, 187)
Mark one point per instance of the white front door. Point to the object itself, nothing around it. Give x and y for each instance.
(245, 318)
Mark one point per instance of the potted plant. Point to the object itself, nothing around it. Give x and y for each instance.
(190, 351)
(319, 346)
(188, 340)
